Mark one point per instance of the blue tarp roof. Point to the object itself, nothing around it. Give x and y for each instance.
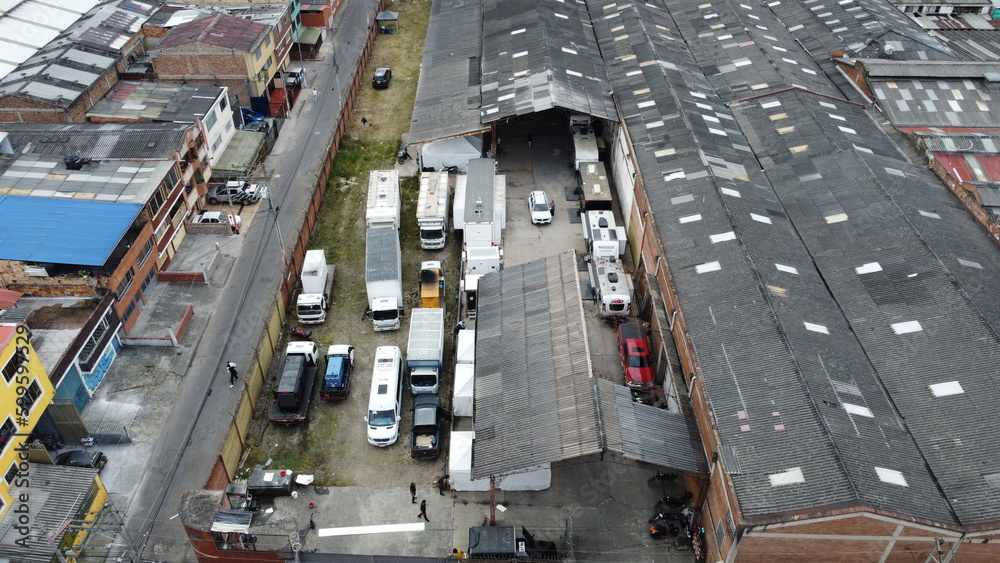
(38, 229)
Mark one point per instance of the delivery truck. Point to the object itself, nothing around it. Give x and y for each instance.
(317, 283)
(383, 199)
(384, 278)
(431, 285)
(432, 210)
(425, 350)
(295, 386)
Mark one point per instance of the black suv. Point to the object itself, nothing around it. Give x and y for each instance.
(382, 77)
(81, 458)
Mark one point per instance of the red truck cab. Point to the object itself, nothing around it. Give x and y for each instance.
(634, 349)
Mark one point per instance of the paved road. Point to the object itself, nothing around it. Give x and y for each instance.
(193, 432)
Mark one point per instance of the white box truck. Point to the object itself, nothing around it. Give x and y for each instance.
(384, 278)
(425, 350)
(595, 186)
(383, 199)
(476, 263)
(484, 209)
(317, 282)
(432, 210)
(604, 238)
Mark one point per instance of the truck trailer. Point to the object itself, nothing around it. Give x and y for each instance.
(383, 199)
(594, 185)
(384, 278)
(431, 285)
(432, 210)
(295, 386)
(484, 206)
(425, 350)
(317, 283)
(476, 263)
(612, 288)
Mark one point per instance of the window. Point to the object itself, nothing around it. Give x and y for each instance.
(6, 433)
(150, 278)
(210, 121)
(126, 283)
(91, 346)
(128, 312)
(147, 249)
(30, 397)
(173, 178)
(11, 473)
(156, 201)
(11, 367)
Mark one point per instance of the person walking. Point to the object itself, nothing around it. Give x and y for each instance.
(315, 95)
(364, 122)
(530, 139)
(413, 493)
(442, 483)
(460, 325)
(233, 376)
(423, 511)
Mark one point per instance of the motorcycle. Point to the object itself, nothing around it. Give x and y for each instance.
(403, 156)
(659, 531)
(674, 502)
(661, 476)
(304, 334)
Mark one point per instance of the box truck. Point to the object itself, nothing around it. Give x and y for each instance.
(432, 210)
(383, 199)
(317, 283)
(425, 350)
(384, 278)
(295, 386)
(431, 285)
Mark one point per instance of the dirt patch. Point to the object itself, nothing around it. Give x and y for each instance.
(57, 317)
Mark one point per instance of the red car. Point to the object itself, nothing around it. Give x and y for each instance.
(634, 349)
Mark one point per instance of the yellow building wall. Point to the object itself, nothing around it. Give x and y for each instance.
(16, 383)
(262, 68)
(91, 512)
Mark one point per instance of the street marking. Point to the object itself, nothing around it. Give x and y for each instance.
(380, 529)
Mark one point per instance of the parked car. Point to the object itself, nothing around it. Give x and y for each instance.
(235, 191)
(634, 348)
(249, 115)
(540, 207)
(296, 77)
(82, 458)
(382, 77)
(257, 126)
(218, 217)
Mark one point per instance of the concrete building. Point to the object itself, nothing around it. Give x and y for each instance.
(98, 207)
(60, 62)
(24, 395)
(225, 50)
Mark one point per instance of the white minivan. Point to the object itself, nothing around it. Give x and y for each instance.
(385, 400)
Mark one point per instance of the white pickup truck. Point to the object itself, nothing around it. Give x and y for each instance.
(219, 218)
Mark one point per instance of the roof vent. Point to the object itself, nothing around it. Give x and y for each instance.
(888, 50)
(602, 223)
(992, 80)
(75, 161)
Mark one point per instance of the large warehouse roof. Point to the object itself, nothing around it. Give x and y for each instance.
(537, 398)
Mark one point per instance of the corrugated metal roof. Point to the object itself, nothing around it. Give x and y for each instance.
(534, 386)
(221, 30)
(35, 229)
(880, 68)
(537, 400)
(448, 99)
(8, 298)
(156, 101)
(29, 26)
(972, 44)
(56, 495)
(539, 56)
(943, 101)
(645, 433)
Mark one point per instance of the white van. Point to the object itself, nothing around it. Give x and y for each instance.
(385, 400)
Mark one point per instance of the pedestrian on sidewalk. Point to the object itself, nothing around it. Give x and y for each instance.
(233, 376)
(460, 325)
(364, 122)
(413, 493)
(315, 95)
(442, 484)
(423, 511)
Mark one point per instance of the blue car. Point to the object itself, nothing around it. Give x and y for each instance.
(249, 115)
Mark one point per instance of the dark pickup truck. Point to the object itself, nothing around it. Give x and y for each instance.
(426, 441)
(295, 387)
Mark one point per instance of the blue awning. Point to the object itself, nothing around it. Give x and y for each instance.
(85, 233)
